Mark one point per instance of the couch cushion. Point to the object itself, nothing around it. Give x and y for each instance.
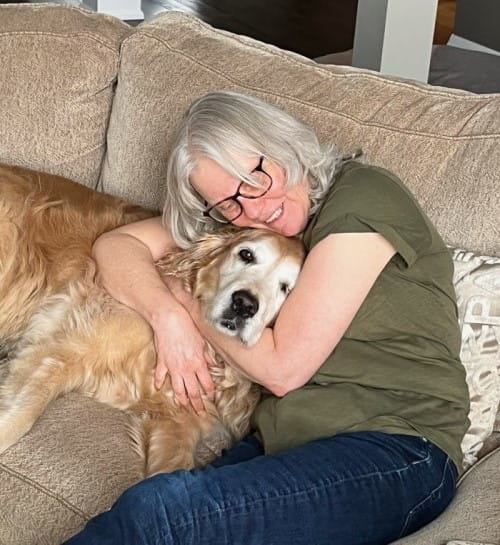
(442, 143)
(72, 465)
(460, 542)
(57, 74)
(477, 284)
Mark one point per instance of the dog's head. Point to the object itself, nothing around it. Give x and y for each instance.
(241, 278)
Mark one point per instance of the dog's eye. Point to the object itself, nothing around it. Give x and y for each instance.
(285, 288)
(246, 255)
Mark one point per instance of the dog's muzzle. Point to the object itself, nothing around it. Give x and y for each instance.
(244, 305)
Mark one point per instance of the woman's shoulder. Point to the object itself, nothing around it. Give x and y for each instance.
(362, 188)
(150, 232)
(368, 198)
(367, 176)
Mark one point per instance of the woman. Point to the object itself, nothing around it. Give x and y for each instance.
(357, 437)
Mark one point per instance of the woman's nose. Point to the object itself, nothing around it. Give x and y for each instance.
(253, 208)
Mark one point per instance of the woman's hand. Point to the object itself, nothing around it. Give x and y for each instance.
(181, 352)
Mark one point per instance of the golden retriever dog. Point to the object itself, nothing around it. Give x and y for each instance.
(62, 332)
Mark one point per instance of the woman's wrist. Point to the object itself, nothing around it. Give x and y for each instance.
(163, 316)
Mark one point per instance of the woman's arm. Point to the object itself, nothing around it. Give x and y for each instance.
(335, 280)
(125, 258)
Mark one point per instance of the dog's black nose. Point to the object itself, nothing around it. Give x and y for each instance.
(244, 304)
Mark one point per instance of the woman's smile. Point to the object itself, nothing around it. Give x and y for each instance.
(275, 215)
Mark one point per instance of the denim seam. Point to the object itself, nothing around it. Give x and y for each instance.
(419, 504)
(305, 491)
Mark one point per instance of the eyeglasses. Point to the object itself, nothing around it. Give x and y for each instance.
(229, 209)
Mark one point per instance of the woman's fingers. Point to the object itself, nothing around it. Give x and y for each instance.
(206, 381)
(160, 374)
(181, 353)
(179, 389)
(188, 388)
(192, 388)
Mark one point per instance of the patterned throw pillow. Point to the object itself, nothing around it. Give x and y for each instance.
(477, 284)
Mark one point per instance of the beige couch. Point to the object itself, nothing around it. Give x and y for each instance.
(88, 97)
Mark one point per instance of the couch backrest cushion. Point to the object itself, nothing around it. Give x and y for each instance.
(58, 68)
(444, 144)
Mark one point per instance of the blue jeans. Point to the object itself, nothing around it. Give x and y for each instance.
(353, 488)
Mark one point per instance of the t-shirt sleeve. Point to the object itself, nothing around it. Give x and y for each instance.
(368, 199)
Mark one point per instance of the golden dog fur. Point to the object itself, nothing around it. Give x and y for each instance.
(62, 332)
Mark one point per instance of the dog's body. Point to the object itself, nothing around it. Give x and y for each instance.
(62, 331)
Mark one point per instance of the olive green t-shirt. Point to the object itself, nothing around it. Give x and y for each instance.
(397, 367)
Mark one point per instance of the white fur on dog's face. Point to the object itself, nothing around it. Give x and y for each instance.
(254, 280)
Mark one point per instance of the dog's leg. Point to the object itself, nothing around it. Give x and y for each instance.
(181, 441)
(168, 437)
(161, 444)
(35, 378)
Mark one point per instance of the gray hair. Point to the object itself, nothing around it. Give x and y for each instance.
(224, 126)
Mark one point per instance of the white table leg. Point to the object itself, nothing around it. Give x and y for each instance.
(123, 9)
(395, 36)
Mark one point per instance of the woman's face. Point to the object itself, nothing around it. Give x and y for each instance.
(282, 209)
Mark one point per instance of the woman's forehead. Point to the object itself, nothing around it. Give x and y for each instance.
(209, 179)
(206, 169)
(234, 161)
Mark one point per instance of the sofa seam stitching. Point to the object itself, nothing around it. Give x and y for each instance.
(45, 491)
(316, 66)
(78, 9)
(493, 136)
(86, 34)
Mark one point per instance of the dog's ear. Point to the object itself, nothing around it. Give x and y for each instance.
(185, 263)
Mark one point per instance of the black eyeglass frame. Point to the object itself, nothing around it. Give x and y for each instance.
(207, 212)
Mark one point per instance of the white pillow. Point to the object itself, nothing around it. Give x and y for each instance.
(477, 284)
